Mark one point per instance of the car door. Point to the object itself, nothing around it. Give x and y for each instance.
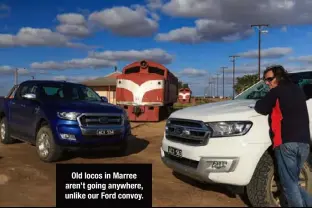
(304, 80)
(308, 92)
(30, 111)
(21, 112)
(16, 111)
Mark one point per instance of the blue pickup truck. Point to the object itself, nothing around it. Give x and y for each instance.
(57, 116)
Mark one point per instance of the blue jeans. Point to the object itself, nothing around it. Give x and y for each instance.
(290, 158)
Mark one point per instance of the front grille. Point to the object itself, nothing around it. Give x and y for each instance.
(89, 120)
(189, 132)
(183, 161)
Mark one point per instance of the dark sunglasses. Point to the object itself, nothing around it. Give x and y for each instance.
(269, 79)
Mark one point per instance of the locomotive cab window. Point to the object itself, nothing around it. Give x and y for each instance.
(155, 70)
(132, 70)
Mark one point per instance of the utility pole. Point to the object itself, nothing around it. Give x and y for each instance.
(233, 59)
(217, 85)
(210, 88)
(260, 31)
(16, 76)
(223, 67)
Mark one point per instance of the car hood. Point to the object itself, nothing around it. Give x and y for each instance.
(218, 111)
(84, 107)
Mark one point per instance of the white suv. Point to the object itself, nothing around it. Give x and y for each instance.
(228, 143)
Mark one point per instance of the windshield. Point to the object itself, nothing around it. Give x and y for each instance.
(66, 91)
(260, 89)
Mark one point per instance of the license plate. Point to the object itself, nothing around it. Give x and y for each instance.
(175, 152)
(105, 132)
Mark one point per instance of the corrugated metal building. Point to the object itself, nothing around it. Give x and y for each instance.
(104, 86)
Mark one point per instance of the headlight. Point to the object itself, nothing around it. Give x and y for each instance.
(229, 128)
(68, 115)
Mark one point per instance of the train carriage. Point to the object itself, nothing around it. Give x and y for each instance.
(185, 95)
(147, 90)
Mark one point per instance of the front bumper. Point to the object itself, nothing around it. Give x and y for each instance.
(70, 134)
(229, 160)
(198, 170)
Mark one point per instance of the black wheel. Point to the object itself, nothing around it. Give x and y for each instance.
(122, 148)
(4, 132)
(264, 189)
(47, 149)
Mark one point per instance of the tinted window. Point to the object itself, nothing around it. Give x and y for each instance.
(155, 70)
(25, 89)
(133, 70)
(260, 89)
(66, 91)
(51, 90)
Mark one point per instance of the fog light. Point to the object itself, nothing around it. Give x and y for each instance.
(219, 165)
(68, 137)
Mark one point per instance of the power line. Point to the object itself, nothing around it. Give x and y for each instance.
(223, 67)
(260, 31)
(233, 59)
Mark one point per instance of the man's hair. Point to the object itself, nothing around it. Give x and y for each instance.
(279, 72)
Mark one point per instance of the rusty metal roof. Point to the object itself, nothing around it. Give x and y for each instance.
(108, 80)
(101, 81)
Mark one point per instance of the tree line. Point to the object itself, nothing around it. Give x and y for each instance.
(242, 83)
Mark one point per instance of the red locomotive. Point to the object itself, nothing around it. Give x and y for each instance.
(185, 95)
(146, 90)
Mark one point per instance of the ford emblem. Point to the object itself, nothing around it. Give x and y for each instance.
(103, 120)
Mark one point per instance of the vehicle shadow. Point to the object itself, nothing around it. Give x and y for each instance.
(231, 192)
(136, 145)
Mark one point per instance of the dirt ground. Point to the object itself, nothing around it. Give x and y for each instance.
(26, 181)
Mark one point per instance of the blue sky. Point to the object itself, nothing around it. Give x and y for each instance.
(77, 40)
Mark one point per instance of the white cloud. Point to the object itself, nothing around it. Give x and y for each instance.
(125, 21)
(284, 29)
(71, 18)
(191, 72)
(74, 25)
(9, 70)
(4, 10)
(28, 36)
(207, 30)
(156, 54)
(154, 4)
(304, 59)
(274, 12)
(230, 20)
(272, 53)
(73, 79)
(74, 64)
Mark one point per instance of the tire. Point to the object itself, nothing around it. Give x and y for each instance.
(47, 150)
(261, 189)
(5, 133)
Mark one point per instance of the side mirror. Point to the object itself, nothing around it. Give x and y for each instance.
(104, 99)
(29, 96)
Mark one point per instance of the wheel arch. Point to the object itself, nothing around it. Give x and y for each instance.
(41, 122)
(2, 115)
